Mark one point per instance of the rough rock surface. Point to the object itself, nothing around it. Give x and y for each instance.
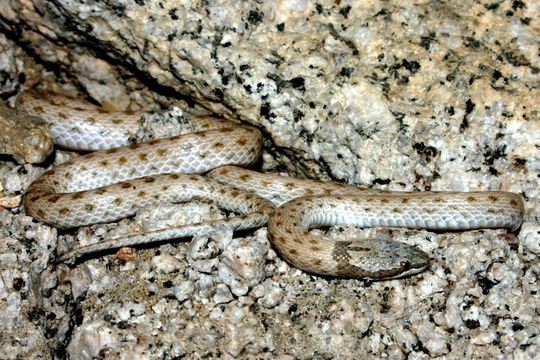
(26, 138)
(407, 95)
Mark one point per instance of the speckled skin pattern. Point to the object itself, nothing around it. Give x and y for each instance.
(338, 204)
(112, 184)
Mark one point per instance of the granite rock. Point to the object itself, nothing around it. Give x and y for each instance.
(410, 95)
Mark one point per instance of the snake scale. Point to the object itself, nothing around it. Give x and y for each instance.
(120, 178)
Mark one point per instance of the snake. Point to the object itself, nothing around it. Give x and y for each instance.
(120, 176)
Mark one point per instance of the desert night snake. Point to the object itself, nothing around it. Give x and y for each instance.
(120, 178)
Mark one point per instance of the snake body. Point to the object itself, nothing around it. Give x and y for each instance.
(111, 184)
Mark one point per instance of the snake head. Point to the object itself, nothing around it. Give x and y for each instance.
(378, 259)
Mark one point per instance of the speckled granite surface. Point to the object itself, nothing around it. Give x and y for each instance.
(409, 95)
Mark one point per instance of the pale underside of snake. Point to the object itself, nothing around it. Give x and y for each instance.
(112, 184)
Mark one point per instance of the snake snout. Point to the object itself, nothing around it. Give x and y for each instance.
(379, 259)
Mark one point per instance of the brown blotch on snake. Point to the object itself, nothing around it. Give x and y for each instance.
(53, 199)
(77, 196)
